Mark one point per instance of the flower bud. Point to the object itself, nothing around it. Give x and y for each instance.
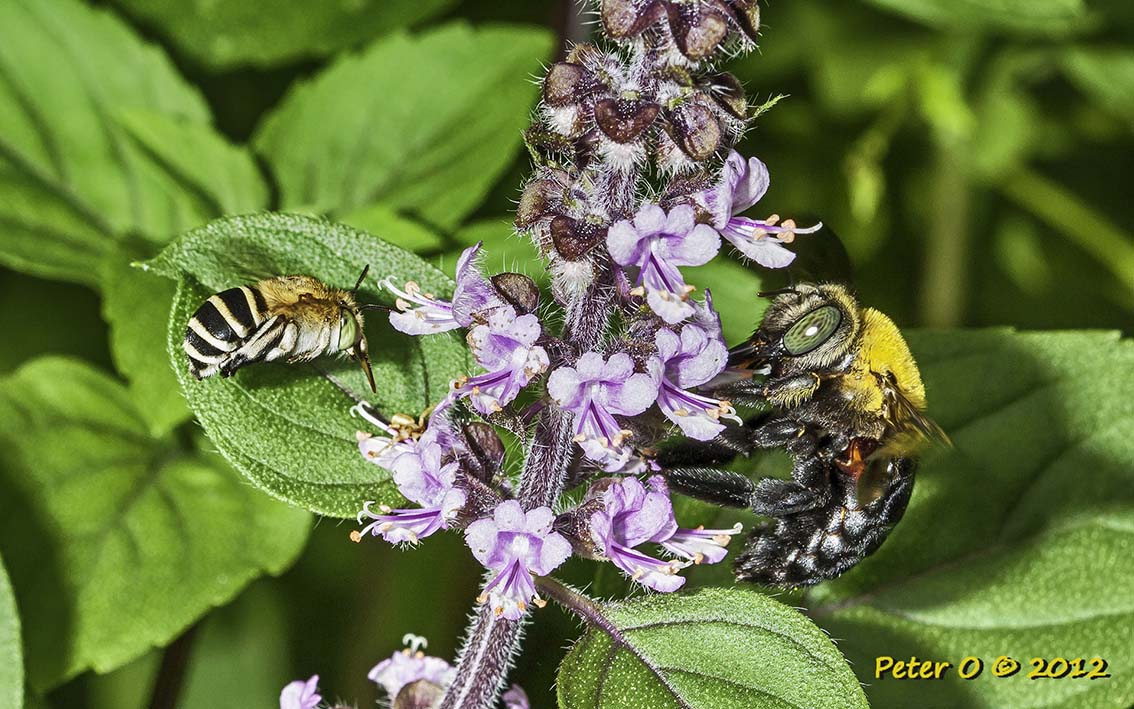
(585, 54)
(573, 239)
(697, 29)
(518, 290)
(421, 694)
(748, 15)
(564, 83)
(696, 129)
(623, 18)
(575, 524)
(624, 120)
(535, 202)
(728, 93)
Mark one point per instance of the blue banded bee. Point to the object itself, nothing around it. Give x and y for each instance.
(296, 318)
(845, 399)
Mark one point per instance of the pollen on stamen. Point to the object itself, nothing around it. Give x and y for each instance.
(355, 536)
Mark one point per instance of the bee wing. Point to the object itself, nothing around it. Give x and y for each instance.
(906, 417)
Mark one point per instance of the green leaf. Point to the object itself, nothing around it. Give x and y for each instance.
(71, 179)
(1106, 75)
(383, 220)
(241, 654)
(285, 426)
(718, 648)
(426, 123)
(41, 317)
(117, 541)
(221, 177)
(1017, 540)
(11, 653)
(264, 33)
(1020, 16)
(137, 305)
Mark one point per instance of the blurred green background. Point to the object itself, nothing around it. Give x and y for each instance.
(973, 161)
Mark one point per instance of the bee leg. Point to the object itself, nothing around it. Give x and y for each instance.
(790, 392)
(720, 487)
(809, 489)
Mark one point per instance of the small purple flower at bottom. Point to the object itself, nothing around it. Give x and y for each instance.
(410, 665)
(596, 389)
(700, 545)
(420, 313)
(301, 695)
(505, 346)
(516, 698)
(743, 183)
(634, 514)
(657, 243)
(516, 544)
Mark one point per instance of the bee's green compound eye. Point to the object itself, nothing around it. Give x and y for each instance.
(812, 330)
(348, 331)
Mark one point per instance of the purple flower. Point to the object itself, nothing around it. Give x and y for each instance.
(505, 346)
(516, 545)
(410, 665)
(423, 314)
(594, 390)
(657, 243)
(633, 514)
(425, 473)
(700, 545)
(301, 695)
(691, 358)
(743, 184)
(516, 698)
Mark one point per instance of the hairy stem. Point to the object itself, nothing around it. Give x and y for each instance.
(577, 603)
(491, 642)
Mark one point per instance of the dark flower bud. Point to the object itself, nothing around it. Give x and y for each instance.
(748, 16)
(697, 130)
(624, 120)
(575, 524)
(485, 447)
(573, 239)
(584, 54)
(535, 202)
(481, 499)
(727, 91)
(518, 290)
(625, 18)
(564, 83)
(421, 694)
(697, 29)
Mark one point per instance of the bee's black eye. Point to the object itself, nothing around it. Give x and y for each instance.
(812, 330)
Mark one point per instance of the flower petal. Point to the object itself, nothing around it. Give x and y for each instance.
(625, 244)
(650, 219)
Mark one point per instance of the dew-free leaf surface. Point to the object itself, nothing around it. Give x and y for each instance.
(117, 541)
(286, 426)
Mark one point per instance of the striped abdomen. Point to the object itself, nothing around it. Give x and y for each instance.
(220, 331)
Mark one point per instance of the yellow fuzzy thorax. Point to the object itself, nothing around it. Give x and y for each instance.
(303, 297)
(884, 351)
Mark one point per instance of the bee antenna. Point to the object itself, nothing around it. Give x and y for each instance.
(361, 278)
(778, 291)
(374, 306)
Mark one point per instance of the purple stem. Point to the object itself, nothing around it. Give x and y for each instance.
(491, 642)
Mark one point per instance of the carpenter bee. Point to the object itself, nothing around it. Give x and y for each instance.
(846, 401)
(296, 318)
